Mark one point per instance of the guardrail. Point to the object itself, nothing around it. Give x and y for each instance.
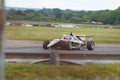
(56, 56)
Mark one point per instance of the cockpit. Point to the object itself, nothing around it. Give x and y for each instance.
(67, 37)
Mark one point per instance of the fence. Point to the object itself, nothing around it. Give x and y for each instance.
(2, 19)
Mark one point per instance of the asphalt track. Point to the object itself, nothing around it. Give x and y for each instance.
(36, 46)
(32, 51)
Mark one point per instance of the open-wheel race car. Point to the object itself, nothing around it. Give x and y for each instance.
(69, 42)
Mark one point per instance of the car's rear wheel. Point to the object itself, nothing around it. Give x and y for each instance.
(90, 45)
(45, 43)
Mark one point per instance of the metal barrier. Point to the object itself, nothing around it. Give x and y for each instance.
(55, 57)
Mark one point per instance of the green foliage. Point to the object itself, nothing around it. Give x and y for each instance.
(15, 71)
(100, 35)
(58, 15)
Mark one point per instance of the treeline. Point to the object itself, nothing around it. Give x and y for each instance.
(58, 15)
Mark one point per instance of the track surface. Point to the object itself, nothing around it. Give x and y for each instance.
(36, 46)
(32, 51)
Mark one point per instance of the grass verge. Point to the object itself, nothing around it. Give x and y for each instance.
(15, 71)
(101, 35)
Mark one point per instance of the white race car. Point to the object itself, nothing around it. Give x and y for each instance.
(69, 42)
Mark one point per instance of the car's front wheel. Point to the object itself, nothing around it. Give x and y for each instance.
(45, 43)
(90, 45)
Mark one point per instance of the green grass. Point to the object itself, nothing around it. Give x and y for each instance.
(15, 71)
(101, 35)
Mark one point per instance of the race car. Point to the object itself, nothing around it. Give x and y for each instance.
(70, 42)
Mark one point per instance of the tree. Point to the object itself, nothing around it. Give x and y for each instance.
(68, 16)
(57, 13)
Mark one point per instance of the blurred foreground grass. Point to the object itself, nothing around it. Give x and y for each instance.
(15, 71)
(100, 35)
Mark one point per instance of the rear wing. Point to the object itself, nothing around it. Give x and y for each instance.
(84, 37)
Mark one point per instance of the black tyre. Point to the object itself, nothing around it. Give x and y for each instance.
(45, 43)
(90, 45)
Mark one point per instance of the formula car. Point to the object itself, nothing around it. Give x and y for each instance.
(70, 42)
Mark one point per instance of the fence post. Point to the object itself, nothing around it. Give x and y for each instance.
(2, 19)
(54, 57)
